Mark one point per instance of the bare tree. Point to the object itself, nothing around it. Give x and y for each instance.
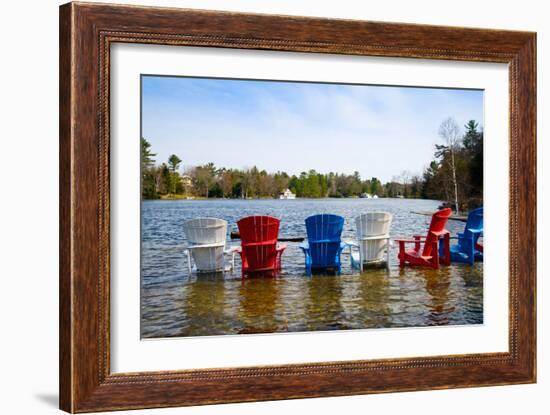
(450, 132)
(204, 177)
(406, 180)
(226, 182)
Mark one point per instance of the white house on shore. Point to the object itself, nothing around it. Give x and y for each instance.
(287, 194)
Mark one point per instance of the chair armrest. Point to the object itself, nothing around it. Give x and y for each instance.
(232, 249)
(351, 243)
(281, 247)
(410, 240)
(343, 245)
(476, 231)
(304, 246)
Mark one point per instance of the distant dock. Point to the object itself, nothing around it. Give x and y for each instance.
(460, 218)
(236, 235)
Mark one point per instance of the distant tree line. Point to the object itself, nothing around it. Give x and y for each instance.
(455, 175)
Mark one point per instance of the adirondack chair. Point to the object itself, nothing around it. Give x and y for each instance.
(373, 239)
(259, 249)
(324, 246)
(206, 237)
(467, 250)
(428, 256)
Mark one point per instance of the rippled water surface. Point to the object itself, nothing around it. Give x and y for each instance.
(174, 303)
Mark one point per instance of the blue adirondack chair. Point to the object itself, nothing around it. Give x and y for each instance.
(324, 245)
(465, 250)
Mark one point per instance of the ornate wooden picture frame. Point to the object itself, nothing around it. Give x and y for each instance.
(87, 32)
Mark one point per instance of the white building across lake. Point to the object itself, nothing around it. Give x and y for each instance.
(287, 194)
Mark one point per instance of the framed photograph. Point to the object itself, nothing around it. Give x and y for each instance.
(258, 207)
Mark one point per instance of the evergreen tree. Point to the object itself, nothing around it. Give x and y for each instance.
(473, 143)
(472, 136)
(375, 186)
(148, 171)
(146, 155)
(174, 162)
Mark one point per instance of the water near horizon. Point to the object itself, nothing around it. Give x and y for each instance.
(174, 303)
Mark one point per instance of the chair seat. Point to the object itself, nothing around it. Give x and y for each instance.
(455, 249)
(417, 254)
(458, 255)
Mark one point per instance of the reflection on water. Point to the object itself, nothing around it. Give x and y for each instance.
(175, 303)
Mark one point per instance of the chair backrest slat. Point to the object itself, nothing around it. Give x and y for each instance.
(205, 230)
(259, 241)
(437, 225)
(324, 237)
(324, 227)
(373, 224)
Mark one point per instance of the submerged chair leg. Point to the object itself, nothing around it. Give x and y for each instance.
(388, 253)
(307, 260)
(401, 253)
(233, 262)
(417, 243)
(447, 248)
(189, 267)
(435, 259)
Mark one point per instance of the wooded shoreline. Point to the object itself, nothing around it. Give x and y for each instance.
(454, 175)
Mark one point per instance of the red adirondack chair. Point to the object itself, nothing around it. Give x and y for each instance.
(259, 249)
(429, 255)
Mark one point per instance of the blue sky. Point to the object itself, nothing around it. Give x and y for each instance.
(379, 131)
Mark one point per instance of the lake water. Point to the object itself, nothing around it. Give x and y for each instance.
(174, 303)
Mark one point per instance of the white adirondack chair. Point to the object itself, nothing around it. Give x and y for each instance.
(206, 237)
(373, 239)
